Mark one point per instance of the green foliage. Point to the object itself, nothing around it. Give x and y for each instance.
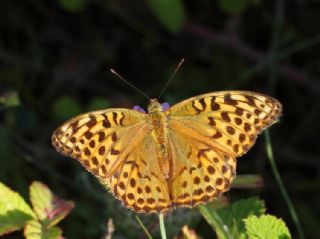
(10, 99)
(227, 221)
(66, 107)
(73, 5)
(49, 209)
(233, 6)
(244, 219)
(171, 13)
(14, 211)
(40, 222)
(247, 181)
(98, 103)
(36, 230)
(266, 227)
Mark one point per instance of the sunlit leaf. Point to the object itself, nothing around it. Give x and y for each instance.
(266, 227)
(36, 230)
(227, 221)
(14, 211)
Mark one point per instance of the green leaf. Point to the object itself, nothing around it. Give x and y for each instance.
(10, 99)
(35, 230)
(98, 103)
(233, 6)
(227, 221)
(247, 181)
(49, 208)
(73, 5)
(14, 211)
(171, 13)
(266, 227)
(66, 107)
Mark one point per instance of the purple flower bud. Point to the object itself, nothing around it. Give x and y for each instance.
(138, 108)
(165, 106)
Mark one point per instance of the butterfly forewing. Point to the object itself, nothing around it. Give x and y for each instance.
(94, 138)
(232, 119)
(207, 133)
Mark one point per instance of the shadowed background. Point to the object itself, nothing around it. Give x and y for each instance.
(54, 61)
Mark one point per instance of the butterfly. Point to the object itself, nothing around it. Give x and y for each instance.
(169, 157)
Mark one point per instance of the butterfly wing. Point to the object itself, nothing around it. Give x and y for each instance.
(207, 133)
(116, 146)
(139, 182)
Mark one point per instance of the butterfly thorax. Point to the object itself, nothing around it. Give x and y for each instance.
(159, 133)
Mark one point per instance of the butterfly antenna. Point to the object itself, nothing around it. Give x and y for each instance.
(172, 76)
(137, 89)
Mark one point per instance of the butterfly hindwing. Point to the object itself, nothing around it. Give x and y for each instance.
(200, 172)
(138, 182)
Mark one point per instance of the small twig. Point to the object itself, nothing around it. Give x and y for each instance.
(110, 229)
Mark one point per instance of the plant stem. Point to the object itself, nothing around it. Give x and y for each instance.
(144, 228)
(284, 193)
(162, 227)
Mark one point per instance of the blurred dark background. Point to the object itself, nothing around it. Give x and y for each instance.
(54, 61)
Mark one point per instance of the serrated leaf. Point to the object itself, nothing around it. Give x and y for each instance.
(49, 208)
(247, 181)
(227, 221)
(35, 230)
(66, 107)
(171, 13)
(266, 227)
(233, 6)
(14, 211)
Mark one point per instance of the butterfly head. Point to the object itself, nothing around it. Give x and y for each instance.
(155, 106)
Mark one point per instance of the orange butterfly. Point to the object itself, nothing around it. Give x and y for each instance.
(167, 158)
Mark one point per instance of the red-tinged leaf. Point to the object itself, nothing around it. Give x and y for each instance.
(49, 208)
